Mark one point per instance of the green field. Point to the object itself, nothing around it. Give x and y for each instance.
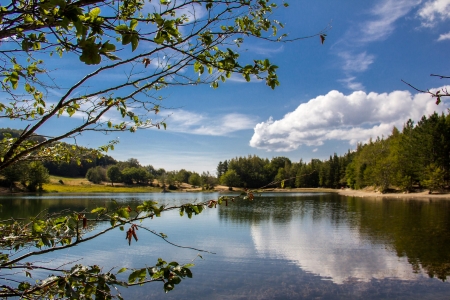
(82, 185)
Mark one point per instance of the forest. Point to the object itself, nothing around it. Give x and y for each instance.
(418, 156)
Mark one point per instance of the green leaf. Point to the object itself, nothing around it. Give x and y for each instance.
(175, 280)
(168, 287)
(122, 27)
(37, 228)
(133, 276)
(40, 110)
(134, 42)
(126, 39)
(28, 19)
(98, 210)
(133, 24)
(24, 286)
(123, 212)
(94, 13)
(187, 272)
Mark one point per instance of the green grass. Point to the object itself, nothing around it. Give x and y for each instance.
(82, 185)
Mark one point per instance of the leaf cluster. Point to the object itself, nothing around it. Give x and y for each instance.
(153, 49)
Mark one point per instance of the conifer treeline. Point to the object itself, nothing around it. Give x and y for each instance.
(256, 172)
(419, 155)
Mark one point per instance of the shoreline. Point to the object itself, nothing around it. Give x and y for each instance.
(366, 193)
(371, 194)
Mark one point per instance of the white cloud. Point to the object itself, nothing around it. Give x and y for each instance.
(192, 11)
(386, 14)
(356, 62)
(433, 11)
(264, 50)
(194, 123)
(445, 36)
(239, 78)
(351, 84)
(379, 25)
(335, 116)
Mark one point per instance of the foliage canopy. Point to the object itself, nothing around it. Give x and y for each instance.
(140, 47)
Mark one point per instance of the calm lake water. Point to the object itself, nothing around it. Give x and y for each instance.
(279, 246)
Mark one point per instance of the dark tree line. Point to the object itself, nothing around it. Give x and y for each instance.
(417, 156)
(256, 172)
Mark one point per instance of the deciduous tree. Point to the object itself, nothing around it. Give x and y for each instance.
(37, 175)
(155, 44)
(114, 174)
(230, 179)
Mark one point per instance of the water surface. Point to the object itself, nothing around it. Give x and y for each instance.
(279, 246)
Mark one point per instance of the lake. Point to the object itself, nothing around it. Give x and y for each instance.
(279, 246)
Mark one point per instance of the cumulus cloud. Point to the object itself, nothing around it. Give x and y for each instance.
(433, 11)
(444, 37)
(202, 124)
(335, 116)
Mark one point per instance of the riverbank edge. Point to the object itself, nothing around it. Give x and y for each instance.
(424, 195)
(366, 193)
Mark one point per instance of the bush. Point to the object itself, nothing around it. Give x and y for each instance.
(96, 175)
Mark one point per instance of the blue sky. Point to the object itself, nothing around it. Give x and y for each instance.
(331, 96)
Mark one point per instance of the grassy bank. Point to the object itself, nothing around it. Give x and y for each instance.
(82, 185)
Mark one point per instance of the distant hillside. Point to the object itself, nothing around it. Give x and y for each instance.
(71, 169)
(15, 133)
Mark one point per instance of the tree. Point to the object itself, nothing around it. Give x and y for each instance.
(230, 179)
(133, 174)
(37, 175)
(182, 176)
(114, 174)
(433, 178)
(195, 179)
(96, 175)
(17, 172)
(179, 43)
(208, 180)
(222, 168)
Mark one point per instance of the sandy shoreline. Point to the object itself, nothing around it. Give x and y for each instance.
(366, 193)
(370, 194)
